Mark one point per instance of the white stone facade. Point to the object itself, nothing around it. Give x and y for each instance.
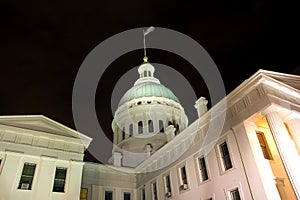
(255, 156)
(45, 146)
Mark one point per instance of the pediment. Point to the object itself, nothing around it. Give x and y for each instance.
(288, 79)
(38, 123)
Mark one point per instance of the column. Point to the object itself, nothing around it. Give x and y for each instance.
(74, 182)
(293, 123)
(45, 177)
(286, 149)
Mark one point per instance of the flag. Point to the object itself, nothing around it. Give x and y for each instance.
(150, 29)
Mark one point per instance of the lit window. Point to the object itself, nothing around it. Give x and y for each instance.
(83, 193)
(123, 134)
(183, 179)
(235, 195)
(264, 145)
(225, 156)
(127, 196)
(203, 169)
(27, 176)
(154, 191)
(150, 126)
(108, 195)
(60, 179)
(140, 127)
(167, 184)
(161, 126)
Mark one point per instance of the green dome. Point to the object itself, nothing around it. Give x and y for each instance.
(148, 89)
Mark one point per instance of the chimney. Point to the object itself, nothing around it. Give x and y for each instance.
(201, 106)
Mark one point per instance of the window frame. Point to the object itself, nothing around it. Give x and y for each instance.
(130, 130)
(19, 187)
(87, 190)
(65, 179)
(143, 193)
(265, 142)
(161, 126)
(150, 126)
(230, 194)
(167, 189)
(140, 127)
(154, 193)
(198, 170)
(221, 163)
(182, 185)
(127, 192)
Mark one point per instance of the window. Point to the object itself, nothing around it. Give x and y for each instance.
(123, 134)
(27, 176)
(154, 191)
(225, 156)
(150, 126)
(149, 73)
(176, 129)
(83, 193)
(60, 179)
(143, 194)
(108, 195)
(264, 145)
(203, 169)
(167, 184)
(140, 127)
(235, 195)
(127, 196)
(161, 126)
(130, 130)
(183, 179)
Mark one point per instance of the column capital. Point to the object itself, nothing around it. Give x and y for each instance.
(272, 108)
(292, 115)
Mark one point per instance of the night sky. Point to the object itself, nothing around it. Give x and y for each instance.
(43, 44)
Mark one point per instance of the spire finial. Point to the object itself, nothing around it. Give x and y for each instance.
(146, 32)
(145, 59)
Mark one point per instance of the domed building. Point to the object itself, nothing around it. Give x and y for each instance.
(148, 116)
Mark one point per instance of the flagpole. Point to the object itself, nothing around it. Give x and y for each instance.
(144, 43)
(146, 32)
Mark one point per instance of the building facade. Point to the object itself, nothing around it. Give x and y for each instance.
(40, 159)
(245, 147)
(255, 156)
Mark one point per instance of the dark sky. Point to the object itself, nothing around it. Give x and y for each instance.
(43, 44)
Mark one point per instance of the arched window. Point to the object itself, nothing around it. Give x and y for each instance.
(123, 134)
(150, 126)
(130, 130)
(161, 126)
(140, 127)
(145, 73)
(149, 73)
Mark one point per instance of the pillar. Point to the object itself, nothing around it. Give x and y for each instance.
(293, 123)
(286, 149)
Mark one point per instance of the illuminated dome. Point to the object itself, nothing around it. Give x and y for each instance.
(148, 89)
(148, 116)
